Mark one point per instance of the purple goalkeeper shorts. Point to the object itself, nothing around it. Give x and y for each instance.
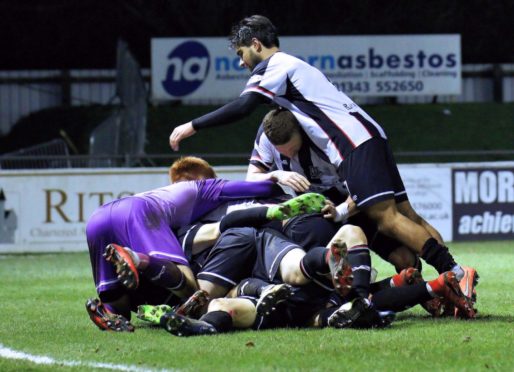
(137, 223)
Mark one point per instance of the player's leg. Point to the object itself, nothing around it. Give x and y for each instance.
(359, 313)
(307, 231)
(350, 261)
(406, 209)
(229, 261)
(260, 216)
(145, 245)
(160, 271)
(374, 182)
(223, 315)
(112, 310)
(267, 295)
(278, 258)
(394, 224)
(444, 287)
(105, 317)
(241, 310)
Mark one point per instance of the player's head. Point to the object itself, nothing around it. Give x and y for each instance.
(256, 26)
(189, 168)
(250, 37)
(283, 131)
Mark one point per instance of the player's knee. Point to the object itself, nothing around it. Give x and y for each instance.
(290, 268)
(220, 304)
(352, 235)
(294, 277)
(213, 290)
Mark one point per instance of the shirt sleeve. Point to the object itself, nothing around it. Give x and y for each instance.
(268, 78)
(262, 154)
(231, 112)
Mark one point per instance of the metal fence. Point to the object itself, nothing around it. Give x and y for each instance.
(52, 154)
(40, 158)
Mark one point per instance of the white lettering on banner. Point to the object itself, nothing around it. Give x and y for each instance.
(380, 65)
(487, 223)
(488, 187)
(194, 68)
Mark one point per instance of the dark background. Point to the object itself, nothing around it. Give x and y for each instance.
(82, 34)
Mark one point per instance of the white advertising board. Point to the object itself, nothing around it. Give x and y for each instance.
(205, 68)
(430, 193)
(47, 211)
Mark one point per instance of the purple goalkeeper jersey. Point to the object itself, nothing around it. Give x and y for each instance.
(144, 222)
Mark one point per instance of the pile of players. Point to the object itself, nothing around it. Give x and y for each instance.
(234, 255)
(259, 258)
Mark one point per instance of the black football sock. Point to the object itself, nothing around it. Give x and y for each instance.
(164, 274)
(380, 285)
(401, 298)
(251, 217)
(116, 302)
(324, 315)
(221, 320)
(315, 267)
(437, 255)
(251, 287)
(360, 261)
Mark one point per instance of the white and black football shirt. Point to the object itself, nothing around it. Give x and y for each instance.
(333, 122)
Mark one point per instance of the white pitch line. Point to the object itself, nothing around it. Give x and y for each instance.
(8, 353)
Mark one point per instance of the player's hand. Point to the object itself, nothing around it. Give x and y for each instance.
(179, 133)
(339, 213)
(292, 179)
(329, 210)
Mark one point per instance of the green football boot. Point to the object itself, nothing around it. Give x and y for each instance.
(306, 203)
(151, 313)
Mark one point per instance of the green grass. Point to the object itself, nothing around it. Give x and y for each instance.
(42, 305)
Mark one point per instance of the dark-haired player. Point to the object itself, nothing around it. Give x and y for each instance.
(352, 140)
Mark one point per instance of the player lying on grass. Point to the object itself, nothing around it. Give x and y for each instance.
(306, 230)
(314, 305)
(144, 222)
(237, 246)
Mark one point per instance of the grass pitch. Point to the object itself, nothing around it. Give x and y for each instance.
(42, 308)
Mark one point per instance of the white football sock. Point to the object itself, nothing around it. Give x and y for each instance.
(459, 272)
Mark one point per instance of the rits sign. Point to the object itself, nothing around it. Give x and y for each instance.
(483, 204)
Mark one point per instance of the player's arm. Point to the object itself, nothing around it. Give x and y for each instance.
(292, 179)
(235, 110)
(261, 161)
(255, 173)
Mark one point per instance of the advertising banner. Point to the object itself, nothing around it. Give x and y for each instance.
(483, 203)
(47, 210)
(206, 68)
(430, 193)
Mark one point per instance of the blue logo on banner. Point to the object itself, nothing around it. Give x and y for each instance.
(188, 67)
